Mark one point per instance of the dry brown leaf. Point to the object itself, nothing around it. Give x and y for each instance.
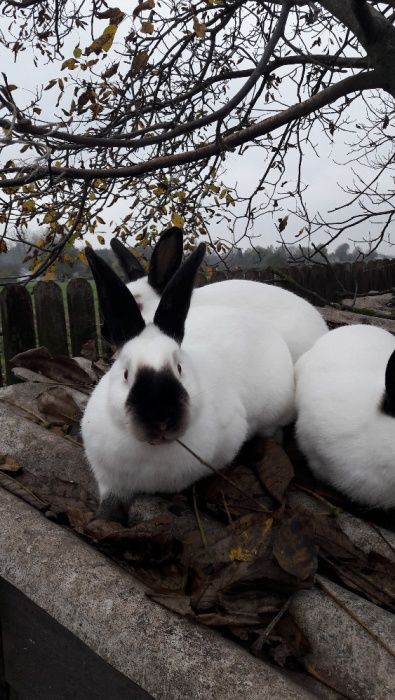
(8, 464)
(147, 27)
(140, 60)
(59, 407)
(273, 468)
(199, 28)
(294, 547)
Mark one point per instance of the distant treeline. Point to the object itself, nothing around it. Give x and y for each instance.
(13, 264)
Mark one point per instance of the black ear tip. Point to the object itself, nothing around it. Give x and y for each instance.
(201, 251)
(90, 254)
(174, 231)
(115, 243)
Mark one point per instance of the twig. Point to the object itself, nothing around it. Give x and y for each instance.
(223, 476)
(333, 509)
(322, 586)
(226, 507)
(277, 617)
(381, 534)
(198, 519)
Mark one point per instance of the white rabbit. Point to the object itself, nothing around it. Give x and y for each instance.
(345, 400)
(299, 322)
(213, 382)
(165, 261)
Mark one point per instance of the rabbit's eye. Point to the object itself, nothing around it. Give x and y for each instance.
(179, 368)
(126, 374)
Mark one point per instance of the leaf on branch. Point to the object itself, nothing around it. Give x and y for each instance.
(147, 27)
(143, 5)
(110, 71)
(104, 42)
(28, 206)
(77, 53)
(140, 60)
(177, 220)
(199, 27)
(3, 246)
(101, 240)
(10, 88)
(70, 63)
(51, 84)
(113, 13)
(386, 121)
(282, 223)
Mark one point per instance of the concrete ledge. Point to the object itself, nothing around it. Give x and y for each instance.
(102, 605)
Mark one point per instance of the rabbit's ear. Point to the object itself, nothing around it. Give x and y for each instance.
(174, 305)
(166, 259)
(389, 396)
(120, 314)
(129, 262)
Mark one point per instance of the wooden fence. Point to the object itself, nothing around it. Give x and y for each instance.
(63, 318)
(61, 323)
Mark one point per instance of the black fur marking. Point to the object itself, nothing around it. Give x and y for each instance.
(174, 305)
(159, 404)
(121, 316)
(388, 401)
(115, 509)
(130, 264)
(166, 259)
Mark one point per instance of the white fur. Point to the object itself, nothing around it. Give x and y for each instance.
(146, 297)
(297, 321)
(348, 441)
(239, 375)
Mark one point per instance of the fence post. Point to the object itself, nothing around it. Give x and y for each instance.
(51, 324)
(17, 322)
(82, 317)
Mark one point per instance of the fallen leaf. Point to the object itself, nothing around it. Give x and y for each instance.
(273, 467)
(8, 464)
(294, 547)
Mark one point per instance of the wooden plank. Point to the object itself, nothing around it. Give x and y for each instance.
(50, 317)
(44, 661)
(17, 322)
(82, 318)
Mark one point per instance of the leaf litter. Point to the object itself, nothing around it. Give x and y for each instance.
(231, 552)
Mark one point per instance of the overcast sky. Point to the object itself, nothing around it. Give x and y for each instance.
(321, 175)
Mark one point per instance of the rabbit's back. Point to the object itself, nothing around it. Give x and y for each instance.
(341, 427)
(298, 322)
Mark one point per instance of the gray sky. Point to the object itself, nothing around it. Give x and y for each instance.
(321, 174)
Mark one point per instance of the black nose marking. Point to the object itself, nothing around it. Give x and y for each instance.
(158, 401)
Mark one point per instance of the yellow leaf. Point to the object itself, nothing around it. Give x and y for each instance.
(199, 27)
(241, 554)
(77, 52)
(147, 27)
(50, 273)
(109, 34)
(177, 220)
(81, 255)
(49, 217)
(158, 191)
(101, 240)
(28, 206)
